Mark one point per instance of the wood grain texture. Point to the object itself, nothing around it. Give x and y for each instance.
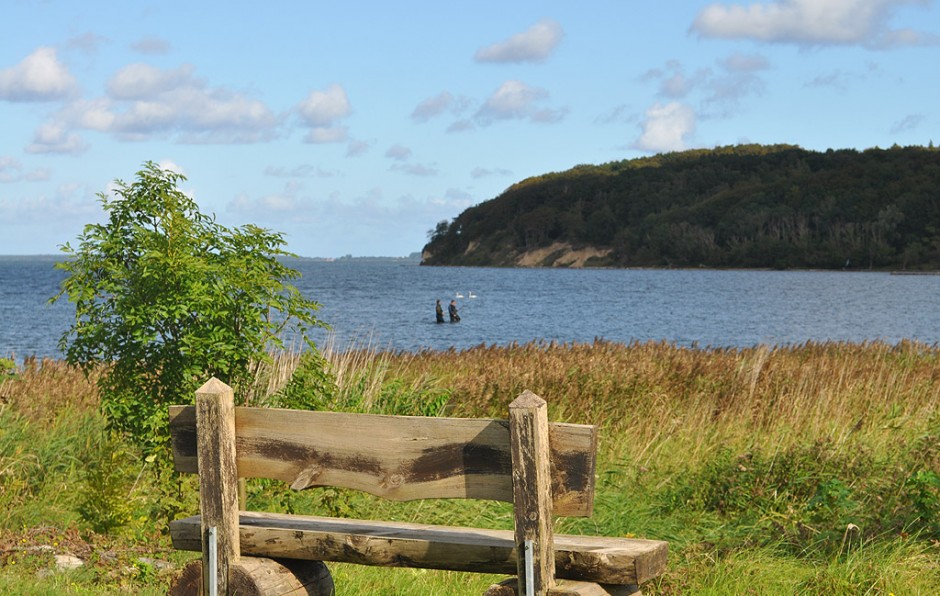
(531, 486)
(395, 457)
(398, 544)
(260, 576)
(218, 482)
(565, 587)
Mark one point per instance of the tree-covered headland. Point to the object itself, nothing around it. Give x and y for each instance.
(759, 206)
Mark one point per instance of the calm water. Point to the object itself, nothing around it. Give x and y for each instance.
(391, 305)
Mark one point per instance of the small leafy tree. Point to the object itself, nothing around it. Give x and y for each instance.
(165, 297)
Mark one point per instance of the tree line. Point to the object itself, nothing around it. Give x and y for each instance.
(760, 206)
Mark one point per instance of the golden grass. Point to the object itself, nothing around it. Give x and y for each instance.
(649, 391)
(667, 398)
(42, 388)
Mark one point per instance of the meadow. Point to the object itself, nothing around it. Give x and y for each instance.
(770, 470)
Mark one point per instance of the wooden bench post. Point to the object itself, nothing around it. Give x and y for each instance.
(532, 491)
(218, 478)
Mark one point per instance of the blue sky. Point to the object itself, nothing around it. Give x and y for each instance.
(355, 127)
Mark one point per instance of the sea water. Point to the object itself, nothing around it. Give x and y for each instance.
(390, 305)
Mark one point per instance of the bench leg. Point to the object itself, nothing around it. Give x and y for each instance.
(263, 577)
(566, 587)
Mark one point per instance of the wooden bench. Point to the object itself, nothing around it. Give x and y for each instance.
(543, 469)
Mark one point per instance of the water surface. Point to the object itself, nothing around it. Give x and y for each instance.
(390, 305)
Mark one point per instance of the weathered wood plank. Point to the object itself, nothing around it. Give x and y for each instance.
(531, 487)
(398, 544)
(218, 482)
(395, 457)
(566, 587)
(260, 575)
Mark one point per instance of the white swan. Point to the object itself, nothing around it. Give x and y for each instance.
(472, 295)
(459, 295)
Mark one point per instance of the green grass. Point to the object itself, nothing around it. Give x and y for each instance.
(805, 470)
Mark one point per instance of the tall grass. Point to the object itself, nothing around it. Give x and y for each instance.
(805, 469)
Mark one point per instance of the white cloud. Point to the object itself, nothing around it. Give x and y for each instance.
(39, 77)
(323, 108)
(54, 138)
(142, 81)
(533, 45)
(321, 111)
(145, 101)
(171, 166)
(514, 100)
(666, 128)
(810, 22)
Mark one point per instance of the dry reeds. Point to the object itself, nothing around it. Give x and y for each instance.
(654, 391)
(42, 388)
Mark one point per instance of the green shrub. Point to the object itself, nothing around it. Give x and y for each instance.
(106, 495)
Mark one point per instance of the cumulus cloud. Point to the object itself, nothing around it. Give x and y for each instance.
(533, 45)
(321, 111)
(811, 23)
(171, 166)
(142, 81)
(39, 77)
(666, 127)
(514, 100)
(56, 139)
(144, 101)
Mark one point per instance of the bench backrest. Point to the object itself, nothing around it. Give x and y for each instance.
(396, 457)
(543, 469)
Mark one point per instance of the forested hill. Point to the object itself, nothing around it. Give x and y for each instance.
(756, 206)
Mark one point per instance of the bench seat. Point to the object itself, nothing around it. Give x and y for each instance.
(400, 544)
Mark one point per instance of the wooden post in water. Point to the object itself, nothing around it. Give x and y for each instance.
(218, 478)
(532, 490)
